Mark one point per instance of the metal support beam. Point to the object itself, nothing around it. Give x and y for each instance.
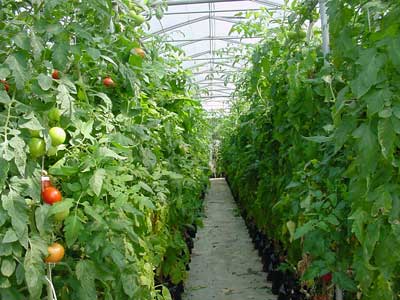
(208, 80)
(325, 27)
(189, 42)
(215, 11)
(179, 25)
(213, 97)
(214, 72)
(214, 58)
(213, 93)
(229, 66)
(200, 54)
(189, 2)
(197, 66)
(208, 38)
(226, 19)
(196, 20)
(213, 85)
(219, 90)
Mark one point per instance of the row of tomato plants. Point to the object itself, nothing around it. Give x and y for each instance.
(311, 146)
(103, 153)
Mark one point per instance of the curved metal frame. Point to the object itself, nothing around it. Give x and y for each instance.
(212, 86)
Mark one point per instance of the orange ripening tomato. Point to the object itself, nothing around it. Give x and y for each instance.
(56, 253)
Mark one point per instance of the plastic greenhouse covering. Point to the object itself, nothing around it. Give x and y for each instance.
(202, 28)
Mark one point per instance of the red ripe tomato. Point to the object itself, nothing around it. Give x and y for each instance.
(5, 84)
(51, 195)
(55, 74)
(327, 277)
(108, 82)
(56, 253)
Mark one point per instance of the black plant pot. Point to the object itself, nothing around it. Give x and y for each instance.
(176, 291)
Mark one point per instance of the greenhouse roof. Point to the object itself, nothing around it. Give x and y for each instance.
(201, 28)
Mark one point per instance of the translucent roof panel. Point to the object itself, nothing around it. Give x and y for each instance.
(201, 28)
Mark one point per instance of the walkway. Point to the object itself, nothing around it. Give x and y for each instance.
(224, 264)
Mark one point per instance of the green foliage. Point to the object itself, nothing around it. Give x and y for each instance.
(315, 145)
(132, 167)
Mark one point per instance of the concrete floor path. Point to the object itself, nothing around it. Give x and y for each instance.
(224, 264)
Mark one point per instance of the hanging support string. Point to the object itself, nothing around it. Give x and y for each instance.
(51, 292)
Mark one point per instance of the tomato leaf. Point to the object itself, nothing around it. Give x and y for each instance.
(8, 267)
(18, 145)
(34, 266)
(371, 63)
(106, 152)
(96, 181)
(304, 229)
(344, 281)
(22, 41)
(386, 135)
(60, 54)
(41, 219)
(61, 206)
(367, 148)
(45, 82)
(129, 283)
(18, 64)
(32, 124)
(85, 272)
(37, 45)
(10, 236)
(4, 97)
(73, 226)
(4, 167)
(16, 208)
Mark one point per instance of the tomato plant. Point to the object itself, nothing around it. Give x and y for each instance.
(311, 146)
(128, 191)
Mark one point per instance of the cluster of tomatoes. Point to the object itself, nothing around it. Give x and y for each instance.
(37, 148)
(107, 81)
(51, 195)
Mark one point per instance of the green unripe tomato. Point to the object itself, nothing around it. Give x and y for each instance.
(34, 133)
(37, 147)
(57, 135)
(61, 216)
(292, 35)
(54, 114)
(301, 34)
(137, 19)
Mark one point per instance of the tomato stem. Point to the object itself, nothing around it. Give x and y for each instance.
(32, 219)
(82, 84)
(6, 125)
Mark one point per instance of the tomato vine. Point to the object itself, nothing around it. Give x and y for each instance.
(311, 149)
(129, 158)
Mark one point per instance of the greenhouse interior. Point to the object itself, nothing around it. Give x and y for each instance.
(200, 149)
